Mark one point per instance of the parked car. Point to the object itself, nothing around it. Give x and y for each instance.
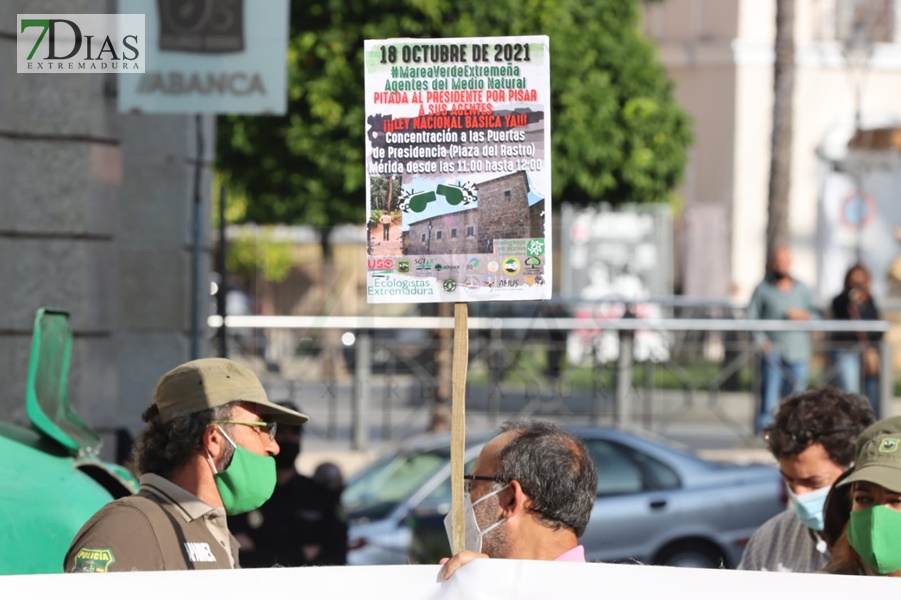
(53, 479)
(656, 503)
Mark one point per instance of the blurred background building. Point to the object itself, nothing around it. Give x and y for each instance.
(720, 55)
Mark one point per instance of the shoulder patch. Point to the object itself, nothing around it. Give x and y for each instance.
(93, 560)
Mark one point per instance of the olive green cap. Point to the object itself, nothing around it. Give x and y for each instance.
(888, 425)
(210, 382)
(879, 455)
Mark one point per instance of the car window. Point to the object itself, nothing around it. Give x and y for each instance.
(625, 470)
(657, 476)
(375, 492)
(617, 474)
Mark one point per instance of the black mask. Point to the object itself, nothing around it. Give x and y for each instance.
(287, 455)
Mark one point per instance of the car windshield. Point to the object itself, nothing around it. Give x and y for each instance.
(376, 490)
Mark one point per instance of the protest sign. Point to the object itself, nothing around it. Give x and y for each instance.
(458, 169)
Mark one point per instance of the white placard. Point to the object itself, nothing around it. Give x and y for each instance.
(458, 157)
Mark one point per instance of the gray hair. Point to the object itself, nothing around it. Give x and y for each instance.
(555, 470)
(161, 448)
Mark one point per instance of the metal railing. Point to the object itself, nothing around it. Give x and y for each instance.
(589, 368)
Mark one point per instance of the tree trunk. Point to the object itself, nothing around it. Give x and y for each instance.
(781, 146)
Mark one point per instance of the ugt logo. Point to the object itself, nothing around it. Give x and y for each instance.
(67, 43)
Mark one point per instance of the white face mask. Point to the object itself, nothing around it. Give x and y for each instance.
(809, 506)
(472, 535)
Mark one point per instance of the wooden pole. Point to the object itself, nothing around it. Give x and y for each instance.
(458, 423)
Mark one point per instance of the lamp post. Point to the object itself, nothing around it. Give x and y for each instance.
(429, 245)
(857, 49)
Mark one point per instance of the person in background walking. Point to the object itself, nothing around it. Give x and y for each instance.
(784, 354)
(856, 354)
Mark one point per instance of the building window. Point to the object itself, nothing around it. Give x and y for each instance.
(438, 236)
(454, 232)
(470, 231)
(423, 237)
(870, 21)
(507, 195)
(854, 22)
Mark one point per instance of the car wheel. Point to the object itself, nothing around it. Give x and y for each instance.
(697, 555)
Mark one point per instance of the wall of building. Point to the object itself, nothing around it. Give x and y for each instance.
(94, 220)
(719, 54)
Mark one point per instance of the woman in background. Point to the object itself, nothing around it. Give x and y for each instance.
(856, 353)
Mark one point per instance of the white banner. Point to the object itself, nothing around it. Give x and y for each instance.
(479, 580)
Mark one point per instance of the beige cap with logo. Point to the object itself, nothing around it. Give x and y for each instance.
(879, 455)
(210, 382)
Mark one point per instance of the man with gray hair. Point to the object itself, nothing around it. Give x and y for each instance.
(529, 496)
(206, 452)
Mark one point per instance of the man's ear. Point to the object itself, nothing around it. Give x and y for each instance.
(515, 501)
(213, 442)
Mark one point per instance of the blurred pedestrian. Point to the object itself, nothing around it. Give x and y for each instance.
(529, 496)
(871, 542)
(206, 452)
(856, 353)
(301, 524)
(812, 438)
(784, 355)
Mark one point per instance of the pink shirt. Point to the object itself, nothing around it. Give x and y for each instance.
(577, 554)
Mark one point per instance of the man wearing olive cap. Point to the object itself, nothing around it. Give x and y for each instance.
(206, 452)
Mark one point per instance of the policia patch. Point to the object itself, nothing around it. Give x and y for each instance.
(93, 560)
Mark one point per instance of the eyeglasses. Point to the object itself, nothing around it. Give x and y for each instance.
(261, 426)
(470, 478)
(804, 436)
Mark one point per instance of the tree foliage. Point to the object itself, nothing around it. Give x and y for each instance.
(617, 134)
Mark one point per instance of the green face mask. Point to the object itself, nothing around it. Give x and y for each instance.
(875, 534)
(247, 482)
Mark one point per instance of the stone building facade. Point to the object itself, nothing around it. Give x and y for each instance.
(503, 212)
(95, 219)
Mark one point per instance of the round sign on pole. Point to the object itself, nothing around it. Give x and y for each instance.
(857, 210)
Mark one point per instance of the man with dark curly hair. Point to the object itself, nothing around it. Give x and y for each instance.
(529, 496)
(206, 452)
(812, 439)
